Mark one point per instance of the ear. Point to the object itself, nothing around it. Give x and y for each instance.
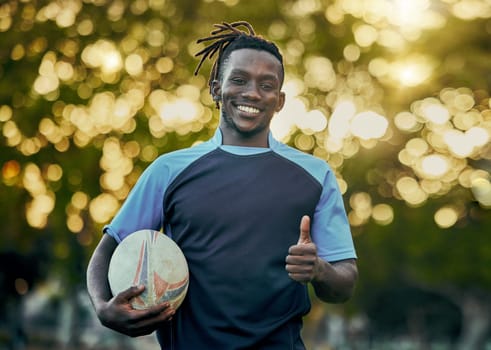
(216, 90)
(281, 101)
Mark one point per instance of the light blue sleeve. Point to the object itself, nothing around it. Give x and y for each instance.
(330, 228)
(143, 208)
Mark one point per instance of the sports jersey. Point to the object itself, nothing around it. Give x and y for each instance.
(235, 211)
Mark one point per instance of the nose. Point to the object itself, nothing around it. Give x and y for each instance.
(251, 91)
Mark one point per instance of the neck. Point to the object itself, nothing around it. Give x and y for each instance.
(236, 138)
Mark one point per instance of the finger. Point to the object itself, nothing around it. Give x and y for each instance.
(147, 326)
(304, 231)
(301, 278)
(159, 309)
(129, 293)
(303, 249)
(145, 318)
(300, 260)
(299, 269)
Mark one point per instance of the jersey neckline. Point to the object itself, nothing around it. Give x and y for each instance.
(217, 140)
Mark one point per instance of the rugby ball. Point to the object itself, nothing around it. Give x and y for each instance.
(153, 259)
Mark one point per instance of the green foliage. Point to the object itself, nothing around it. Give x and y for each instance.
(57, 164)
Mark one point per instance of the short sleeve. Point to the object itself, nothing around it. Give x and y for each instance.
(143, 207)
(330, 227)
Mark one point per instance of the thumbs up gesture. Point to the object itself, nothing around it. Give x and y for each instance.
(302, 260)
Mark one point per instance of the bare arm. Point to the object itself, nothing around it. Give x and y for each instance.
(335, 282)
(116, 312)
(332, 282)
(97, 283)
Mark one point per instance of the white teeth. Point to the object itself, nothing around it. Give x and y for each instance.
(248, 109)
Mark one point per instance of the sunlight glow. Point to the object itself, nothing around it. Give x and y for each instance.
(406, 12)
(133, 64)
(179, 111)
(10, 171)
(435, 165)
(361, 203)
(319, 73)
(412, 71)
(43, 200)
(74, 223)
(63, 13)
(383, 214)
(417, 147)
(103, 207)
(48, 80)
(104, 55)
(80, 200)
(369, 125)
(478, 136)
(111, 62)
(5, 113)
(285, 121)
(365, 35)
(458, 143)
(410, 191)
(436, 113)
(182, 112)
(446, 217)
(471, 9)
(339, 123)
(313, 121)
(391, 23)
(120, 88)
(481, 189)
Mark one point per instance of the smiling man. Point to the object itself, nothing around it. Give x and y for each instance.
(249, 90)
(256, 220)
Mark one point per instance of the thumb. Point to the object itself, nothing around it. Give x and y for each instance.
(305, 231)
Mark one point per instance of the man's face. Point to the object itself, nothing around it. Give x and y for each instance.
(250, 92)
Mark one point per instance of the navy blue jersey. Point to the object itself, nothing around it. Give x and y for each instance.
(234, 212)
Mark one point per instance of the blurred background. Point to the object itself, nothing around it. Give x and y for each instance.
(394, 94)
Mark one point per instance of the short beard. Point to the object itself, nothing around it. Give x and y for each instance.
(229, 123)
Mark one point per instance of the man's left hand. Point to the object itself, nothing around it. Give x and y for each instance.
(302, 259)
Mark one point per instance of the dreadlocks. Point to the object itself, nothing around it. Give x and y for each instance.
(227, 38)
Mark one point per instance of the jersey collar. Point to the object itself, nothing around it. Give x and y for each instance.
(217, 140)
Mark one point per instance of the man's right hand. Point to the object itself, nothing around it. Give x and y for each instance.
(118, 314)
(116, 311)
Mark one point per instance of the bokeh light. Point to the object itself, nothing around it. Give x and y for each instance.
(393, 94)
(383, 214)
(481, 188)
(446, 217)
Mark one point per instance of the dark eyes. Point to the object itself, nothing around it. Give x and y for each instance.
(238, 81)
(241, 81)
(267, 86)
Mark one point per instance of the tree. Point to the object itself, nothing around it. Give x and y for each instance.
(394, 95)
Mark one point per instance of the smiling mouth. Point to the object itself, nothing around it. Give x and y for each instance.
(248, 109)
